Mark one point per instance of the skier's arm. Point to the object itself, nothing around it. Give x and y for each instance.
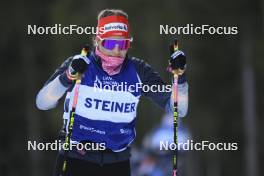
(183, 100)
(164, 99)
(61, 81)
(54, 88)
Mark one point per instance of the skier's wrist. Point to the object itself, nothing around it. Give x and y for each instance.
(182, 78)
(66, 79)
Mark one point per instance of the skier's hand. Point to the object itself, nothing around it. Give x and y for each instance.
(177, 62)
(78, 65)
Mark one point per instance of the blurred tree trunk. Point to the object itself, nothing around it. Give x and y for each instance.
(33, 119)
(249, 105)
(262, 11)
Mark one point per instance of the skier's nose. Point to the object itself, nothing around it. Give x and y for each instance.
(116, 51)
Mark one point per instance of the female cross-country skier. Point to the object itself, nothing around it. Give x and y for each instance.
(101, 116)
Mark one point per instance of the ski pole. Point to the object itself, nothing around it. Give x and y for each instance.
(173, 48)
(72, 113)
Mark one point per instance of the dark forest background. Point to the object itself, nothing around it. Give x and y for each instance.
(225, 74)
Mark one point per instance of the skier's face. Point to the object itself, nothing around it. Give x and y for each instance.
(116, 50)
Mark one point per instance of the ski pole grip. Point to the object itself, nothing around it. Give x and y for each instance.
(85, 50)
(174, 46)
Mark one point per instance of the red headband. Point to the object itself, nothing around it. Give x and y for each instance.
(113, 26)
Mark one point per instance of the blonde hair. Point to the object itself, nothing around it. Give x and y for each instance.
(110, 12)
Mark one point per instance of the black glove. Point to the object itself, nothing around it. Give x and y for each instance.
(178, 60)
(78, 65)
